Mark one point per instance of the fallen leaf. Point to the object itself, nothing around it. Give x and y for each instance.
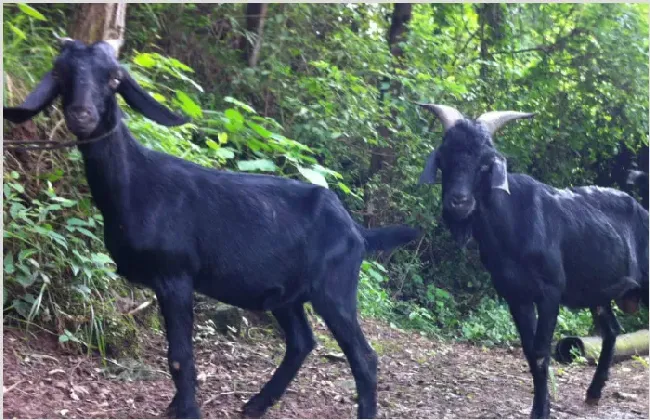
(626, 396)
(81, 389)
(61, 385)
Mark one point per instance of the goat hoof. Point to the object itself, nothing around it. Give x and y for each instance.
(254, 408)
(593, 397)
(252, 413)
(174, 411)
(188, 413)
(544, 413)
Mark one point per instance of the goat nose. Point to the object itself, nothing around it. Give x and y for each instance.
(80, 113)
(459, 199)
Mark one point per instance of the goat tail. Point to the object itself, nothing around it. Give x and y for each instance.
(387, 238)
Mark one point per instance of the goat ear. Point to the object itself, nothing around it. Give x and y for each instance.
(499, 179)
(36, 101)
(145, 104)
(430, 171)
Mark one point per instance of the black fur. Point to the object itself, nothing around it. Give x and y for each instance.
(255, 241)
(581, 247)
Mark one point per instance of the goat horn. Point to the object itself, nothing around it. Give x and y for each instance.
(63, 40)
(497, 119)
(446, 114)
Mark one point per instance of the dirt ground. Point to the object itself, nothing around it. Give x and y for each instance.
(418, 378)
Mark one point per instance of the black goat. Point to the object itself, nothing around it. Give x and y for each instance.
(258, 242)
(581, 247)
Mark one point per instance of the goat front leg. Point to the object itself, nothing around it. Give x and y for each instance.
(175, 297)
(547, 311)
(610, 328)
(523, 314)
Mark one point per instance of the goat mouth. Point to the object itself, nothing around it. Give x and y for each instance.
(80, 128)
(460, 213)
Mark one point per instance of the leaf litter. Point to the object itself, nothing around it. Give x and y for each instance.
(418, 377)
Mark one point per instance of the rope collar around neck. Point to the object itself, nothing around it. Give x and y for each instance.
(50, 144)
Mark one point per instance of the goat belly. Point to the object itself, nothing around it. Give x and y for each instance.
(247, 293)
(596, 271)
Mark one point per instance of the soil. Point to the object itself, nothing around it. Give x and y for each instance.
(418, 378)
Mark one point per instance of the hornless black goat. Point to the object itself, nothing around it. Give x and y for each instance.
(543, 246)
(258, 242)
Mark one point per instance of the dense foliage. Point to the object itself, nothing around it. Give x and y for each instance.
(328, 97)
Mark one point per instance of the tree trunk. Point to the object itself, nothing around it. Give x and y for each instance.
(383, 156)
(490, 19)
(255, 18)
(100, 21)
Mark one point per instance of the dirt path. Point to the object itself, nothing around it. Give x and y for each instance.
(418, 378)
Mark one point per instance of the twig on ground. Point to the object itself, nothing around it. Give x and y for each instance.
(5, 391)
(140, 307)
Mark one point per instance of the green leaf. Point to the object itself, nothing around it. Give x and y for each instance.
(18, 188)
(83, 289)
(376, 275)
(244, 106)
(212, 144)
(175, 63)
(235, 117)
(265, 165)
(87, 233)
(71, 336)
(313, 176)
(25, 253)
(63, 338)
(25, 280)
(225, 153)
(259, 129)
(73, 221)
(344, 188)
(144, 60)
(188, 105)
(100, 258)
(30, 11)
(65, 202)
(158, 97)
(9, 263)
(223, 138)
(21, 307)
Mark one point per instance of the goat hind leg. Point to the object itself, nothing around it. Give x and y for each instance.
(175, 297)
(341, 318)
(610, 328)
(299, 343)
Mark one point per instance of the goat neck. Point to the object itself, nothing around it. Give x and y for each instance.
(109, 164)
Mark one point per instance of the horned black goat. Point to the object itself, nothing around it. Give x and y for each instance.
(254, 241)
(582, 247)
